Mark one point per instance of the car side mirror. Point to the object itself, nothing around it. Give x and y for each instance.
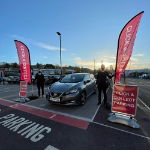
(87, 81)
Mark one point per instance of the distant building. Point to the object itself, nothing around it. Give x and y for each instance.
(69, 71)
(48, 71)
(127, 72)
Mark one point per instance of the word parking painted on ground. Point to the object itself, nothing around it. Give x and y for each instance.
(26, 128)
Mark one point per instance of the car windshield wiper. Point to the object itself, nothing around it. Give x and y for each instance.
(66, 82)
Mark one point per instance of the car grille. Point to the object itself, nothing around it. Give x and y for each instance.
(53, 94)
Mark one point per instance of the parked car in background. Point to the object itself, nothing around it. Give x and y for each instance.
(50, 79)
(33, 77)
(145, 76)
(6, 78)
(73, 88)
(46, 77)
(13, 79)
(1, 79)
(54, 78)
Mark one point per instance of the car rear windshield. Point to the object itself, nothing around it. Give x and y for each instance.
(73, 78)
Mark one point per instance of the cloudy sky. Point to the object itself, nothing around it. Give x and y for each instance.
(89, 28)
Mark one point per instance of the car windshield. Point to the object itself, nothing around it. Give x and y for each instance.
(73, 78)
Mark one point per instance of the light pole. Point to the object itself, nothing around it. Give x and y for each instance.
(58, 33)
(94, 66)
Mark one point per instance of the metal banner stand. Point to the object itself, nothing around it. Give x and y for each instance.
(22, 94)
(24, 99)
(123, 119)
(117, 115)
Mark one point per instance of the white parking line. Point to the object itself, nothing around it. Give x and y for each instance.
(99, 106)
(97, 110)
(10, 96)
(17, 94)
(139, 135)
(54, 115)
(50, 147)
(144, 104)
(8, 91)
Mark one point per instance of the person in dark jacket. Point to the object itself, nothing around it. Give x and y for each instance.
(102, 84)
(40, 82)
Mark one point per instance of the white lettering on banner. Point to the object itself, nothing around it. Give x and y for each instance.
(29, 129)
(125, 57)
(127, 38)
(124, 93)
(124, 99)
(24, 63)
(124, 104)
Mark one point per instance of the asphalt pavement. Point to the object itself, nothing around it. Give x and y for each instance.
(39, 125)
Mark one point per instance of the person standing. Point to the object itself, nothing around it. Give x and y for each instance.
(40, 82)
(102, 84)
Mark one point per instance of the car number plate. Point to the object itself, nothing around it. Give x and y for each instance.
(55, 99)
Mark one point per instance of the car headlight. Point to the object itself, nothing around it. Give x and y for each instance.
(49, 88)
(72, 91)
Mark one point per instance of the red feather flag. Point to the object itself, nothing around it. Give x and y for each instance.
(125, 45)
(24, 61)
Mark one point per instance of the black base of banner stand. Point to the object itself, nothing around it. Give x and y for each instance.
(33, 97)
(123, 119)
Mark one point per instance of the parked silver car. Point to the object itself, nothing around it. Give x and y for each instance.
(73, 88)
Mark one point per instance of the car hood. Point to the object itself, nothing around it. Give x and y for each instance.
(63, 87)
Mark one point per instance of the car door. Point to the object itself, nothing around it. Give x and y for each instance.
(93, 82)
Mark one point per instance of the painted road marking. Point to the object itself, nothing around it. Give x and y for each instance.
(17, 94)
(49, 147)
(61, 113)
(99, 105)
(144, 104)
(44, 109)
(24, 127)
(47, 113)
(54, 115)
(78, 123)
(138, 135)
(97, 111)
(6, 102)
(15, 91)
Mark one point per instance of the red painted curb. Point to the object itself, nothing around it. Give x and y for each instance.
(78, 123)
(6, 103)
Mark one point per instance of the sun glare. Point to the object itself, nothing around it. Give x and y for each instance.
(107, 64)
